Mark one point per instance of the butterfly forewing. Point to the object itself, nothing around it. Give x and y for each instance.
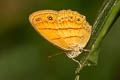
(65, 29)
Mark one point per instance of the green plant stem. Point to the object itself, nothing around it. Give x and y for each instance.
(102, 25)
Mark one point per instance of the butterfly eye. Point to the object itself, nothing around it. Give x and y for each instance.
(38, 19)
(72, 54)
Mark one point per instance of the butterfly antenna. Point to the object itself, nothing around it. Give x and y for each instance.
(54, 55)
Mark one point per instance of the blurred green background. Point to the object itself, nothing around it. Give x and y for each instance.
(23, 52)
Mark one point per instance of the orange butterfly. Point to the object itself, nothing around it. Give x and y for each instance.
(66, 29)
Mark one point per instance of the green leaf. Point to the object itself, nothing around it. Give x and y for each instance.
(107, 15)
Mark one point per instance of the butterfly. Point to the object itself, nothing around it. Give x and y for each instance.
(66, 29)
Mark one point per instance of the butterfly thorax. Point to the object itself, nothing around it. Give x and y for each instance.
(75, 51)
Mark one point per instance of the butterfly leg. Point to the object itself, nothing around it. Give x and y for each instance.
(77, 62)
